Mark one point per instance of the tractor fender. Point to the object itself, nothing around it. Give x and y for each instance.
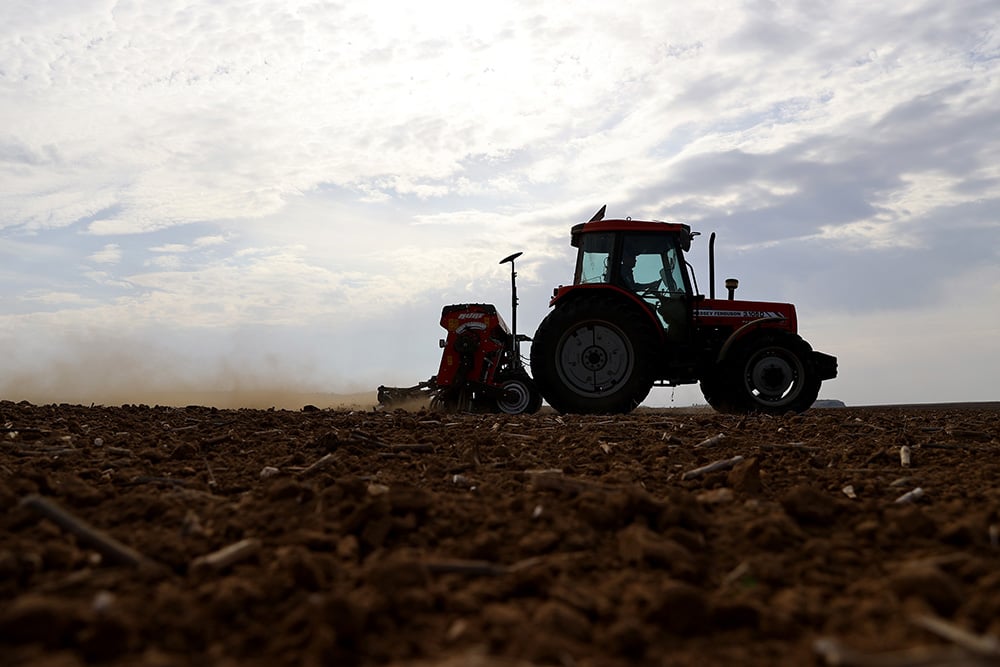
(565, 294)
(742, 333)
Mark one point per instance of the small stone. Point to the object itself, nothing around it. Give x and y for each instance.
(456, 630)
(719, 496)
(103, 602)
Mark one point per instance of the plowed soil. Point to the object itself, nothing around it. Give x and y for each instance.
(324, 537)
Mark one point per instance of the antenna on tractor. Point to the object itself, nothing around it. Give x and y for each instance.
(600, 214)
(513, 306)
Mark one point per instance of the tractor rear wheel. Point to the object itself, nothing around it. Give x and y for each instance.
(773, 373)
(594, 355)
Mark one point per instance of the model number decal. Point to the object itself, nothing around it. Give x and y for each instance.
(745, 314)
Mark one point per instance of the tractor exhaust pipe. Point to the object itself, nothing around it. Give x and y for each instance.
(711, 266)
(513, 306)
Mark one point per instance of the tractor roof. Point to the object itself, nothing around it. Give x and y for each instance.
(628, 226)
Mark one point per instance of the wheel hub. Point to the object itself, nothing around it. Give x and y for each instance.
(595, 358)
(772, 377)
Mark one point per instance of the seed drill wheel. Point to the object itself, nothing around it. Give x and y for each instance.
(772, 373)
(594, 355)
(520, 395)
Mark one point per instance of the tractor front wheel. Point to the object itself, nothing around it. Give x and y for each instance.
(719, 392)
(595, 355)
(773, 373)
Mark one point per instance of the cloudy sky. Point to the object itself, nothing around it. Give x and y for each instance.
(279, 195)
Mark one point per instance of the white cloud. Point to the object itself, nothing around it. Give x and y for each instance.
(170, 248)
(71, 299)
(205, 241)
(196, 244)
(165, 262)
(106, 279)
(111, 253)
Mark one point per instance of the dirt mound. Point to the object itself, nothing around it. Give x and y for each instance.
(168, 536)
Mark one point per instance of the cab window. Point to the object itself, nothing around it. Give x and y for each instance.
(594, 258)
(651, 266)
(651, 263)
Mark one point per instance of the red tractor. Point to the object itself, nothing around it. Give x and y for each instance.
(632, 319)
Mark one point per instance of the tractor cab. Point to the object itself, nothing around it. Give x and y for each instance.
(644, 259)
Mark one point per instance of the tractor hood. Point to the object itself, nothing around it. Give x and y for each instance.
(733, 313)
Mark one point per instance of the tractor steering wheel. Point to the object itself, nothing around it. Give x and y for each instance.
(648, 289)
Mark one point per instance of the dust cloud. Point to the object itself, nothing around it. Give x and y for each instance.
(120, 372)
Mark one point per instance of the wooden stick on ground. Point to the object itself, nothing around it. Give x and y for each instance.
(360, 437)
(904, 456)
(313, 467)
(985, 645)
(107, 546)
(211, 475)
(226, 556)
(724, 464)
(910, 496)
(711, 442)
(968, 650)
(218, 439)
